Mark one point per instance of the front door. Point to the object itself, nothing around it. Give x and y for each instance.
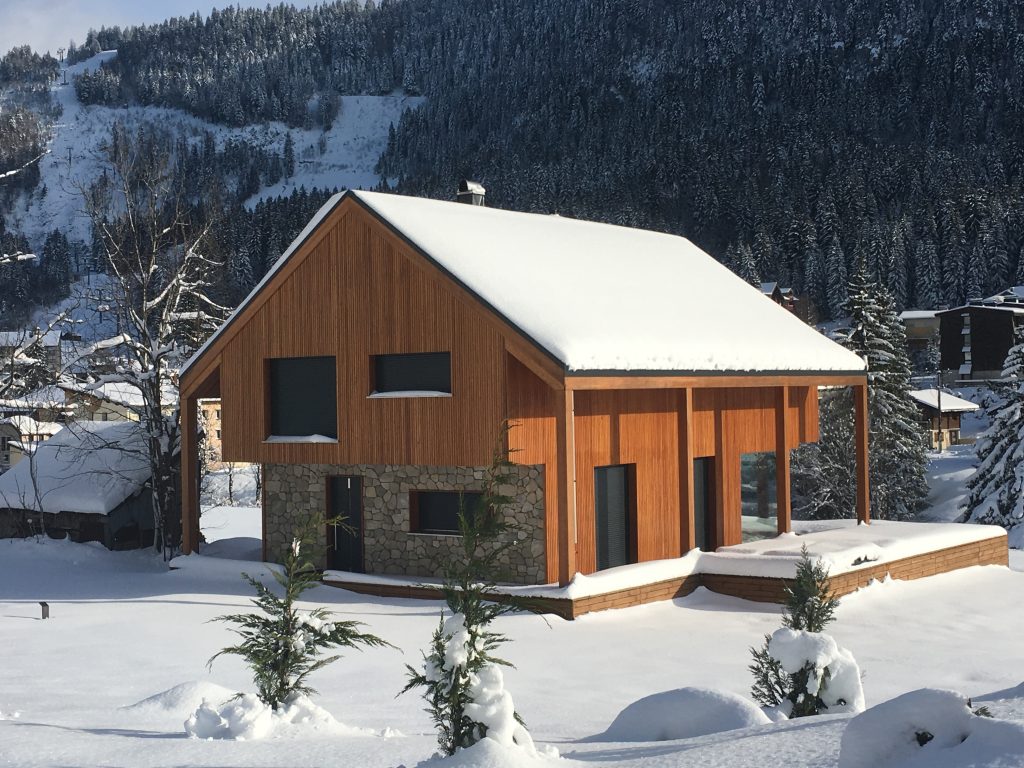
(613, 500)
(345, 531)
(704, 504)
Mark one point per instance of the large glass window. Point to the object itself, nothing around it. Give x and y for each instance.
(417, 374)
(758, 500)
(303, 399)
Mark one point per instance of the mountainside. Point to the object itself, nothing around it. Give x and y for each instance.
(790, 138)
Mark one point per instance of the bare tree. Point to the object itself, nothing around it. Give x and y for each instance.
(152, 244)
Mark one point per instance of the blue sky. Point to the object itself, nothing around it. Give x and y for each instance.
(50, 24)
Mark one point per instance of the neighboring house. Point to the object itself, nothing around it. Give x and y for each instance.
(88, 482)
(922, 329)
(976, 337)
(645, 384)
(940, 414)
(210, 413)
(13, 344)
(47, 403)
(10, 441)
(31, 434)
(784, 297)
(114, 401)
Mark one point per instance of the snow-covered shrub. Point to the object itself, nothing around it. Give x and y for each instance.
(246, 718)
(282, 645)
(683, 714)
(824, 676)
(929, 728)
(461, 676)
(810, 607)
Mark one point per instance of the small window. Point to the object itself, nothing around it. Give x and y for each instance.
(218, 434)
(438, 511)
(423, 374)
(303, 399)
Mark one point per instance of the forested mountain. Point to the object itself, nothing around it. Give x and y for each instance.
(791, 138)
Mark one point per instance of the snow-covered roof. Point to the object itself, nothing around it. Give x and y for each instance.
(26, 425)
(88, 467)
(26, 338)
(950, 403)
(918, 314)
(599, 297)
(50, 396)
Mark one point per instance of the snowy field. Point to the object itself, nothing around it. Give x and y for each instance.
(125, 629)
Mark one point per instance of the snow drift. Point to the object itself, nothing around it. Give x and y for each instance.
(683, 714)
(930, 728)
(246, 718)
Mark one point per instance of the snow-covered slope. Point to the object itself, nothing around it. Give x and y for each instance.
(351, 150)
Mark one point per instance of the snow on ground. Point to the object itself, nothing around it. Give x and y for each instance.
(232, 532)
(123, 629)
(948, 473)
(352, 148)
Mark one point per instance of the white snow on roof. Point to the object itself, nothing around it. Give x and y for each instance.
(26, 425)
(27, 338)
(600, 297)
(918, 314)
(950, 403)
(89, 467)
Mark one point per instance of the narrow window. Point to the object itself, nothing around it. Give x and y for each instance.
(438, 511)
(421, 374)
(303, 399)
(758, 498)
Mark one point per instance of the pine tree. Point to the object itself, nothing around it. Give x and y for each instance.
(281, 644)
(997, 486)
(824, 474)
(461, 673)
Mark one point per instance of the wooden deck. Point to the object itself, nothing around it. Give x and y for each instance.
(991, 551)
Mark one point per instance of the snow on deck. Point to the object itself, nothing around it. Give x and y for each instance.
(842, 545)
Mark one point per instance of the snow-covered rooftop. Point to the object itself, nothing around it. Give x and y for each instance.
(600, 297)
(918, 314)
(950, 403)
(26, 425)
(88, 467)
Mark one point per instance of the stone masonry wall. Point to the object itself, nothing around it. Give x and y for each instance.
(389, 547)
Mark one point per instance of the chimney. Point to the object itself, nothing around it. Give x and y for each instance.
(471, 192)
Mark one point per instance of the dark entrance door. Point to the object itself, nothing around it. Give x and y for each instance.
(704, 504)
(345, 538)
(614, 504)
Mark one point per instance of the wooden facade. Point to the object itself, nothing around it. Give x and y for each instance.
(355, 289)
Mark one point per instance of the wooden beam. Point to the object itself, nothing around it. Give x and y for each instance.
(566, 459)
(782, 487)
(642, 381)
(687, 534)
(526, 355)
(189, 474)
(860, 415)
(721, 524)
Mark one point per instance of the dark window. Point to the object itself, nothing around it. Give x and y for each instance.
(420, 372)
(438, 511)
(615, 521)
(303, 397)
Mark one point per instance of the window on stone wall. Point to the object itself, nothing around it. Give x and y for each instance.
(438, 511)
(303, 399)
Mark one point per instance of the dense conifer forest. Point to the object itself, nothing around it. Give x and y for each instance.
(791, 138)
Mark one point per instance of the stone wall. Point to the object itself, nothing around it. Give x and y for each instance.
(389, 547)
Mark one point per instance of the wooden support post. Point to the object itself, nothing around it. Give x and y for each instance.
(189, 474)
(724, 529)
(687, 534)
(860, 416)
(566, 441)
(782, 487)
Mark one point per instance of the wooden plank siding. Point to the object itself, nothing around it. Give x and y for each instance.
(359, 294)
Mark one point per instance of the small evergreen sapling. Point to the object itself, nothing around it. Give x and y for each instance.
(810, 607)
(461, 674)
(281, 644)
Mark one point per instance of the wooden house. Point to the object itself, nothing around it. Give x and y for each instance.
(940, 414)
(371, 369)
(975, 338)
